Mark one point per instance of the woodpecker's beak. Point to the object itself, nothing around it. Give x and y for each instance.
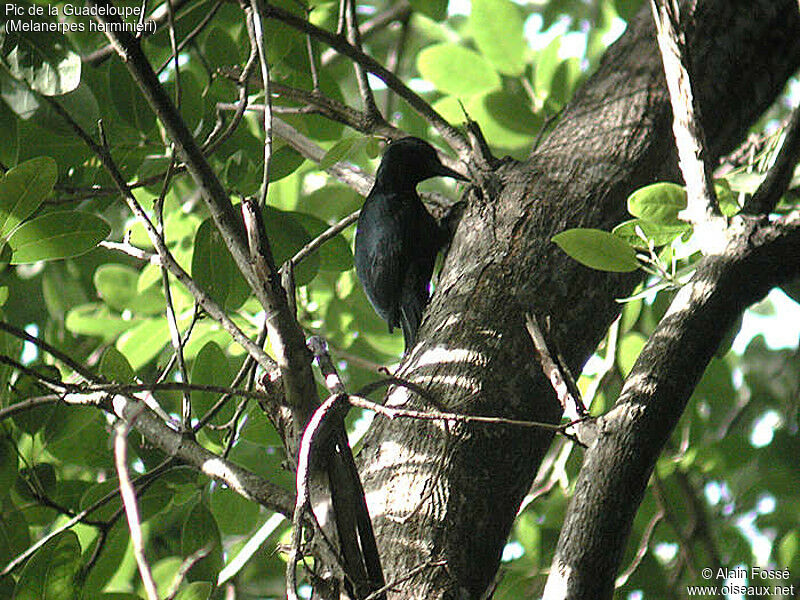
(448, 172)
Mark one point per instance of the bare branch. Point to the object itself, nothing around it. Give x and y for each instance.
(354, 37)
(255, 31)
(308, 443)
(242, 481)
(554, 368)
(450, 134)
(702, 209)
(128, 495)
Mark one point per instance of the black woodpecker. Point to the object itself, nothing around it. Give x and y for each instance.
(397, 239)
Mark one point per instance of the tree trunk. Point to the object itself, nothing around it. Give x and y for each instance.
(451, 492)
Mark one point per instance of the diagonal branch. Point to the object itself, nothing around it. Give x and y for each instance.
(702, 209)
(633, 433)
(450, 134)
(780, 174)
(286, 337)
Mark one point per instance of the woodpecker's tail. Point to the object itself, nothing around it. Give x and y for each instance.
(411, 315)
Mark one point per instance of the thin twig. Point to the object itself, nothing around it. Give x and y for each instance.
(641, 551)
(450, 134)
(246, 368)
(128, 495)
(554, 368)
(255, 30)
(330, 233)
(395, 60)
(354, 37)
(354, 526)
(407, 576)
(190, 36)
(391, 412)
(780, 174)
(184, 568)
(84, 372)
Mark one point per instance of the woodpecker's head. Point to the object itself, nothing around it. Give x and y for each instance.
(410, 160)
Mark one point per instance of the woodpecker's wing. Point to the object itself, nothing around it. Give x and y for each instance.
(422, 241)
(380, 254)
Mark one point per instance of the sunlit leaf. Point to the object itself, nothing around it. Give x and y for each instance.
(498, 29)
(42, 59)
(658, 203)
(598, 249)
(456, 70)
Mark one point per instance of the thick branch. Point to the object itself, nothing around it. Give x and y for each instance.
(458, 501)
(617, 467)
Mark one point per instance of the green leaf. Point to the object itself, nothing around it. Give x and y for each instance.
(14, 534)
(8, 125)
(598, 249)
(192, 106)
(235, 514)
(112, 559)
(77, 435)
(456, 70)
(80, 104)
(9, 463)
(197, 590)
(23, 190)
(200, 531)
(241, 174)
(287, 235)
(42, 59)
(116, 284)
(660, 236)
(26, 386)
(96, 320)
(68, 151)
(128, 99)
(52, 573)
(142, 343)
(659, 203)
(57, 235)
(726, 198)
(214, 269)
(630, 346)
(545, 67)
(495, 112)
(497, 26)
(211, 367)
(345, 147)
(21, 100)
(115, 367)
(220, 48)
(435, 9)
(283, 162)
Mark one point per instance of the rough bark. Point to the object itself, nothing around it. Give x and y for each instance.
(451, 493)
